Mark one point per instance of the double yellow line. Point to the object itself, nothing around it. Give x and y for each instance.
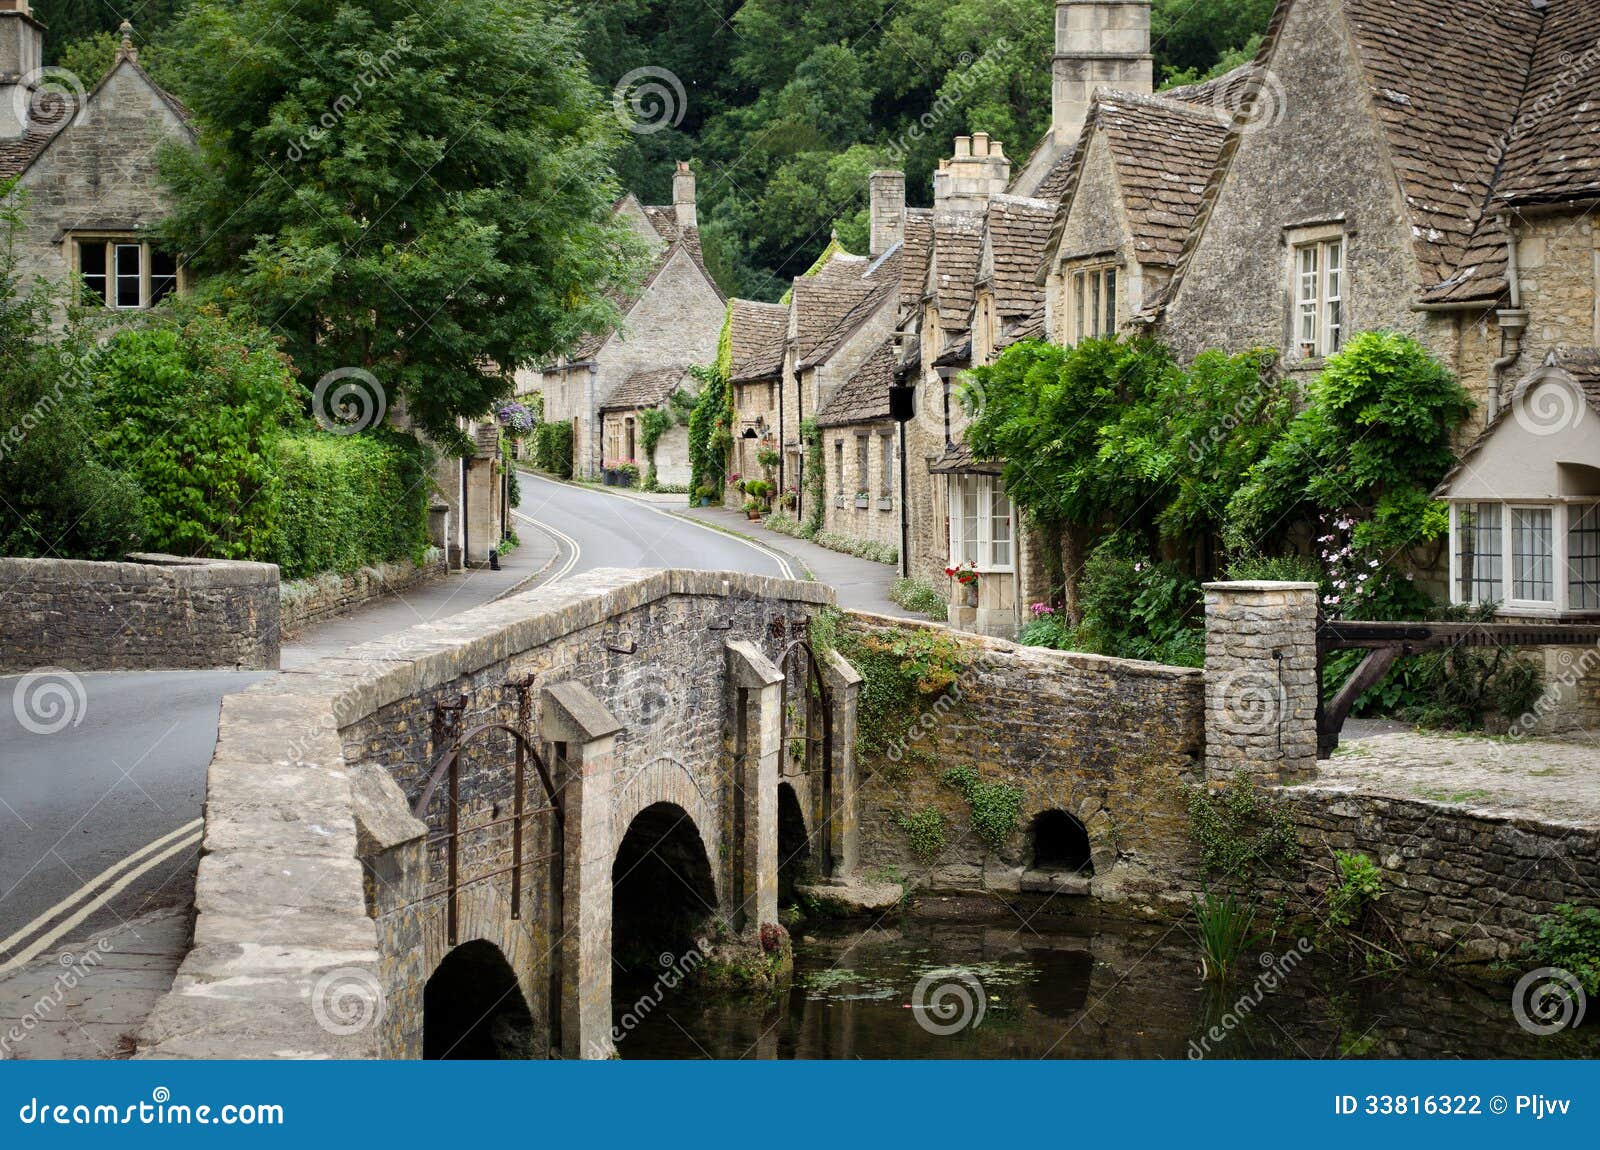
(94, 894)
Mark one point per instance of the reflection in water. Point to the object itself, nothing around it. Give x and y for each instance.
(937, 990)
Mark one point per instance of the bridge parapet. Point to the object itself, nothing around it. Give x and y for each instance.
(325, 904)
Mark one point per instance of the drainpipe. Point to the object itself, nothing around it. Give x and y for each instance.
(1513, 322)
(466, 520)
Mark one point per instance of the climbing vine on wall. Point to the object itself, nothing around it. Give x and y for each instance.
(655, 422)
(906, 673)
(816, 478)
(995, 806)
(1239, 829)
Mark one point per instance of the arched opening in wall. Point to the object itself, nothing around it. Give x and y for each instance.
(472, 1007)
(662, 892)
(794, 847)
(1060, 843)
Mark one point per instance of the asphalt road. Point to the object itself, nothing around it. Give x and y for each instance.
(94, 768)
(597, 529)
(102, 775)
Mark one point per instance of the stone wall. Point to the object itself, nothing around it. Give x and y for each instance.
(1473, 883)
(1108, 741)
(154, 612)
(879, 520)
(307, 601)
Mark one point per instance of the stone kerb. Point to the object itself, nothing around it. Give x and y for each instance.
(1261, 681)
(152, 612)
(287, 960)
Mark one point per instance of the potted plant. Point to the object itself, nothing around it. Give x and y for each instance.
(760, 492)
(886, 503)
(862, 497)
(608, 473)
(703, 494)
(769, 458)
(790, 498)
(966, 579)
(752, 509)
(627, 473)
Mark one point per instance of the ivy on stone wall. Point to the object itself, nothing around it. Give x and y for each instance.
(995, 806)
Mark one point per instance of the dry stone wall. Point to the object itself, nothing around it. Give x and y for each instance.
(154, 612)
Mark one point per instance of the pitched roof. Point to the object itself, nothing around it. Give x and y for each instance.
(957, 249)
(1446, 83)
(833, 301)
(1555, 145)
(677, 238)
(958, 459)
(1018, 231)
(645, 389)
(757, 335)
(864, 397)
(915, 251)
(1030, 326)
(1164, 151)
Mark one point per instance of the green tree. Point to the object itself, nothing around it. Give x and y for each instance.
(57, 499)
(420, 195)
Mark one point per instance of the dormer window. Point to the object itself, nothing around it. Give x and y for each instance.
(124, 272)
(1092, 302)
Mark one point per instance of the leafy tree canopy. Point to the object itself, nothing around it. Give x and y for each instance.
(418, 194)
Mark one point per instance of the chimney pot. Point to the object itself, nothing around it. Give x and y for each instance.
(963, 147)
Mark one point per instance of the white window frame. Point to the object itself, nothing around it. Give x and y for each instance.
(1092, 307)
(986, 490)
(1564, 515)
(113, 242)
(1319, 292)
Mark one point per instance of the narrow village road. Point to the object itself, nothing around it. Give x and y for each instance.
(599, 529)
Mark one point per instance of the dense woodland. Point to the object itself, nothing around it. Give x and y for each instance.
(788, 104)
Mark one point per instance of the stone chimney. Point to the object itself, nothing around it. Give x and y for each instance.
(683, 196)
(21, 56)
(1099, 44)
(979, 171)
(888, 210)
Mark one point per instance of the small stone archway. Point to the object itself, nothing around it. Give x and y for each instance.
(1058, 841)
(473, 1007)
(663, 889)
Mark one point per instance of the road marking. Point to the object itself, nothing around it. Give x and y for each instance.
(783, 563)
(44, 942)
(88, 888)
(566, 567)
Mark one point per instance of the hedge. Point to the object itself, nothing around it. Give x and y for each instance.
(351, 500)
(552, 449)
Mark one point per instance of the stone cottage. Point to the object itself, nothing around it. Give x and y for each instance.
(860, 453)
(621, 423)
(86, 166)
(673, 319)
(758, 340)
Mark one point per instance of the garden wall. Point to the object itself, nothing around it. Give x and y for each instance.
(307, 601)
(153, 612)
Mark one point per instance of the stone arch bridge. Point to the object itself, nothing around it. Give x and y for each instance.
(428, 827)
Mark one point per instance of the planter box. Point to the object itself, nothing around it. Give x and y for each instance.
(838, 500)
(861, 500)
(608, 476)
(624, 479)
(886, 504)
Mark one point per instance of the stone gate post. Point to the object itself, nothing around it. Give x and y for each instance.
(583, 734)
(1261, 681)
(754, 710)
(842, 837)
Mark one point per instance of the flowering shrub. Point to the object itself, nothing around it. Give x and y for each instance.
(963, 573)
(515, 418)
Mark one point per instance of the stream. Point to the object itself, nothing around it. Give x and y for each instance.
(925, 988)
